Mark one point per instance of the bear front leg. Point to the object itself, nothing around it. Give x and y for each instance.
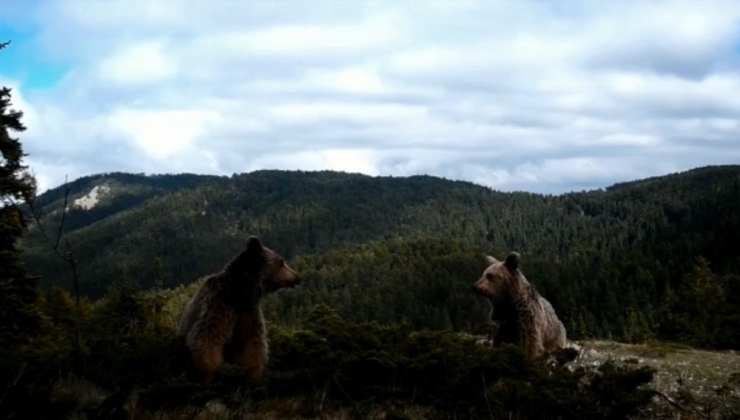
(531, 341)
(206, 360)
(206, 342)
(252, 356)
(251, 350)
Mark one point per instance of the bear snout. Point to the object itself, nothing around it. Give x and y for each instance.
(480, 290)
(293, 279)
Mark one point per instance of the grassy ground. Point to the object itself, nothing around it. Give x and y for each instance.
(705, 384)
(678, 367)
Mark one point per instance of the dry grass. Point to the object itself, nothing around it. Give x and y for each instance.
(678, 367)
(701, 384)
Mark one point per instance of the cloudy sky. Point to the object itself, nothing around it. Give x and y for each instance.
(540, 95)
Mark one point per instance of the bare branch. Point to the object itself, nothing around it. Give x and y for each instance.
(37, 214)
(64, 211)
(73, 265)
(69, 258)
(675, 404)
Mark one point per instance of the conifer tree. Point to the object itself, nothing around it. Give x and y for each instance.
(19, 315)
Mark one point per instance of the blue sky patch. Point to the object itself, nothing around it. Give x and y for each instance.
(22, 61)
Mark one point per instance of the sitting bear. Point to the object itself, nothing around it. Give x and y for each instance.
(526, 318)
(223, 321)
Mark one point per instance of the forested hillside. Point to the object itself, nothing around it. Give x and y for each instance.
(377, 328)
(614, 263)
(95, 197)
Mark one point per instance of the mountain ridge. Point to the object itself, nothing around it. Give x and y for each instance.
(159, 187)
(598, 255)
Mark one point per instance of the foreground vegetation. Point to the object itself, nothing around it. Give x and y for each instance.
(119, 354)
(393, 259)
(616, 264)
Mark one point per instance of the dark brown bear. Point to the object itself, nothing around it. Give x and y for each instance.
(223, 321)
(526, 318)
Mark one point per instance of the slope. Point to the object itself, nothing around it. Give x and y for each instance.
(606, 259)
(95, 197)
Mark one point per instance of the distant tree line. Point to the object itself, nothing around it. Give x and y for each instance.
(612, 262)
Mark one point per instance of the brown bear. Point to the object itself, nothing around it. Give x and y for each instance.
(524, 316)
(223, 321)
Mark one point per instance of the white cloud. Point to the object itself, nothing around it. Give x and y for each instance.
(137, 65)
(537, 96)
(354, 80)
(50, 175)
(19, 102)
(346, 160)
(298, 41)
(311, 113)
(162, 134)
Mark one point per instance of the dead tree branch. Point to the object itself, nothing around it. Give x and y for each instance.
(37, 213)
(681, 408)
(67, 257)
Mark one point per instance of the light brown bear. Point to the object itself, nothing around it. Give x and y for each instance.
(526, 318)
(223, 321)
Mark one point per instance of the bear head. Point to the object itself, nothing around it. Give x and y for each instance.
(260, 270)
(500, 278)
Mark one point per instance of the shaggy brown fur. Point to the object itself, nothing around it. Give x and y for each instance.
(223, 321)
(526, 318)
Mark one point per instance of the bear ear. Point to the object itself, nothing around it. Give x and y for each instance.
(513, 260)
(490, 260)
(253, 245)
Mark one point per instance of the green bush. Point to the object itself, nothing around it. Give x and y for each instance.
(328, 362)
